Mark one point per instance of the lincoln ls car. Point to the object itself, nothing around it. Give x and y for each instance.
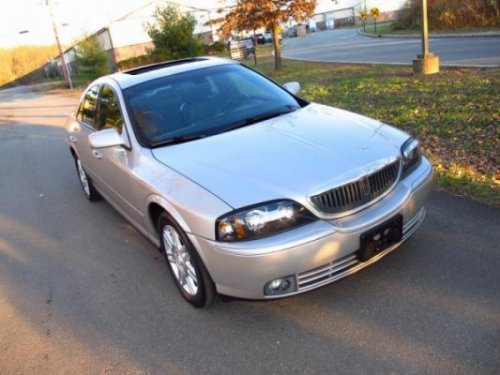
(249, 190)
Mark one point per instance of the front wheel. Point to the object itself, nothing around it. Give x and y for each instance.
(187, 269)
(88, 187)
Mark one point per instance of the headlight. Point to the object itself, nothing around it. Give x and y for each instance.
(411, 155)
(262, 220)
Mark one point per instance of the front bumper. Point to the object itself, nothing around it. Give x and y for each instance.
(316, 254)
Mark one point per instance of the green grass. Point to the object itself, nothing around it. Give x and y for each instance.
(382, 28)
(455, 113)
(386, 29)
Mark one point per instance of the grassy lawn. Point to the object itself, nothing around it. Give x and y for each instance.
(455, 114)
(382, 28)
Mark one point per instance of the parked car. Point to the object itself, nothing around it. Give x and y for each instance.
(249, 190)
(263, 38)
(291, 32)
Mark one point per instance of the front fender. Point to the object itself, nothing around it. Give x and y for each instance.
(192, 207)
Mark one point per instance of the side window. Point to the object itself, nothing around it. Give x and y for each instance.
(88, 108)
(110, 116)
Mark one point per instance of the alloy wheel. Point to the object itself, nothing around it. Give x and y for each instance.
(180, 261)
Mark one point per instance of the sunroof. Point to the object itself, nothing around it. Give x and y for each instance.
(151, 67)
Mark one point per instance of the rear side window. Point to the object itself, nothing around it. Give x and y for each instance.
(88, 108)
(109, 116)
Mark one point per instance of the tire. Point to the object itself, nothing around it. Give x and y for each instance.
(186, 267)
(87, 186)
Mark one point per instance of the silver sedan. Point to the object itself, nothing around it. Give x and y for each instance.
(247, 189)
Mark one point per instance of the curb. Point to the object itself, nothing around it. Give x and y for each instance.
(400, 63)
(494, 34)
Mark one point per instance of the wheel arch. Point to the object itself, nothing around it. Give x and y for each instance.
(73, 152)
(155, 206)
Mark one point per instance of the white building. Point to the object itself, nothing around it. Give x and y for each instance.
(334, 13)
(126, 36)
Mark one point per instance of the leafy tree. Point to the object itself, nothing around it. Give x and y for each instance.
(172, 34)
(363, 16)
(91, 59)
(375, 13)
(448, 19)
(454, 14)
(253, 14)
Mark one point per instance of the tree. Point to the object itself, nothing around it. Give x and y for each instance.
(454, 14)
(375, 13)
(172, 34)
(91, 58)
(254, 14)
(363, 16)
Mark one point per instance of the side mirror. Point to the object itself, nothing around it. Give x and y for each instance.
(105, 138)
(292, 87)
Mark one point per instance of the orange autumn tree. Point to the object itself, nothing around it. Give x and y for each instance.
(254, 14)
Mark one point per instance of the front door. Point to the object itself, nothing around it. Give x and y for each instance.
(114, 166)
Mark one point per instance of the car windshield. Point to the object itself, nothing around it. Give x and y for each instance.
(204, 102)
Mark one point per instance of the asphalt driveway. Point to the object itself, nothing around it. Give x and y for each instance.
(347, 46)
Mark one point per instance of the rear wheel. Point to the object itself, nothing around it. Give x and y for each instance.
(187, 269)
(88, 187)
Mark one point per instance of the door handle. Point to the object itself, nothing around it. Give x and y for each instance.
(72, 139)
(96, 154)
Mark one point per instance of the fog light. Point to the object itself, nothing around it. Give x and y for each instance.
(282, 285)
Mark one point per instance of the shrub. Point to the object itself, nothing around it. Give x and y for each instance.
(215, 48)
(137, 61)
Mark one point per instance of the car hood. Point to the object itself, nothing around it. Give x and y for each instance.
(292, 156)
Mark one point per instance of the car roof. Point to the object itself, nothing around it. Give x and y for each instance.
(132, 77)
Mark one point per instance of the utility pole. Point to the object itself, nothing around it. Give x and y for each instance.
(426, 63)
(66, 73)
(425, 29)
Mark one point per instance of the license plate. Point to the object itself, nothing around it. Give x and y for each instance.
(380, 238)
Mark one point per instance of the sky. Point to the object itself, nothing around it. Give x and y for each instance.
(28, 21)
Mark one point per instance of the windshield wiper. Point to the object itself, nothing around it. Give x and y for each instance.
(264, 116)
(177, 140)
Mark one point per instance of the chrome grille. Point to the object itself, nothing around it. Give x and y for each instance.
(358, 193)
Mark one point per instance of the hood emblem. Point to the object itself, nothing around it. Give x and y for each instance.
(365, 183)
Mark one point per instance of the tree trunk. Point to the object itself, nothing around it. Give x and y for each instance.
(277, 47)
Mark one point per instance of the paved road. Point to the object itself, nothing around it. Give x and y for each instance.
(82, 292)
(345, 45)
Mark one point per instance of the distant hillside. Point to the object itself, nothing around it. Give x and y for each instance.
(20, 61)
